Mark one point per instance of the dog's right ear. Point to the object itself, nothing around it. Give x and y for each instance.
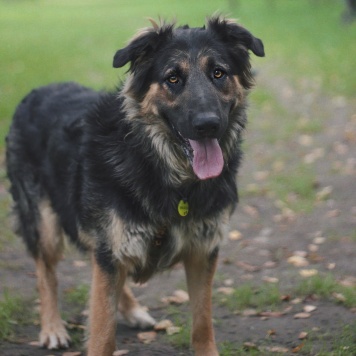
(144, 44)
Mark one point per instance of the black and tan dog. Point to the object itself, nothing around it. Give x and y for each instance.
(143, 177)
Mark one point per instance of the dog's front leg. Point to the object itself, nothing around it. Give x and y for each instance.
(200, 271)
(106, 289)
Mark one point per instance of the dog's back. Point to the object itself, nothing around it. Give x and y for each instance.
(43, 146)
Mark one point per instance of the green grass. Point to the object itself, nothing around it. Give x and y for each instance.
(264, 297)
(295, 187)
(327, 287)
(13, 311)
(78, 295)
(326, 344)
(179, 318)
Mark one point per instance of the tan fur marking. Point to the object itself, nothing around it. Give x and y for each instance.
(115, 232)
(199, 279)
(51, 234)
(148, 104)
(53, 333)
(103, 304)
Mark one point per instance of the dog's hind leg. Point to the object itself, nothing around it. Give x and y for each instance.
(133, 312)
(200, 271)
(53, 333)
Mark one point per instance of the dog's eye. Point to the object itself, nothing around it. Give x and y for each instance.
(173, 79)
(218, 73)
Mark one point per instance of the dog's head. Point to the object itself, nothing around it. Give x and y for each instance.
(192, 82)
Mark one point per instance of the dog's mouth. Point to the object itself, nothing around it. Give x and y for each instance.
(205, 156)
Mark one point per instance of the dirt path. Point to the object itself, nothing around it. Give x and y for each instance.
(267, 234)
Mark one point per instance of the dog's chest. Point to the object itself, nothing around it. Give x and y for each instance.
(148, 249)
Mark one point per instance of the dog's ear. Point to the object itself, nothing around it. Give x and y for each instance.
(238, 42)
(142, 45)
(229, 31)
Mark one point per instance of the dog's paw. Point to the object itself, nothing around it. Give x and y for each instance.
(54, 336)
(139, 318)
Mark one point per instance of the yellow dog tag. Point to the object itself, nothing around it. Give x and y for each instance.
(183, 208)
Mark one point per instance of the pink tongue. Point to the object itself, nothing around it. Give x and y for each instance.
(208, 160)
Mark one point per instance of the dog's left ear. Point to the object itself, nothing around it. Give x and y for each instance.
(236, 35)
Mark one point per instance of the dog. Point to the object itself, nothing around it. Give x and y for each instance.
(142, 177)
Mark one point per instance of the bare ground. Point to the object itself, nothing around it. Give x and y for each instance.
(270, 234)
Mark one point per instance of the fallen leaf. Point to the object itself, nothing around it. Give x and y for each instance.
(229, 282)
(251, 210)
(300, 253)
(178, 297)
(120, 352)
(235, 235)
(297, 348)
(331, 266)
(250, 346)
(147, 337)
(34, 343)
(303, 335)
(247, 267)
(298, 261)
(333, 213)
(163, 325)
(302, 315)
(226, 290)
(79, 263)
(270, 264)
(339, 296)
(348, 281)
(309, 308)
(285, 298)
(296, 301)
(313, 248)
(305, 140)
(276, 349)
(75, 353)
(271, 332)
(308, 272)
(324, 193)
(270, 279)
(271, 314)
(261, 175)
(249, 312)
(173, 330)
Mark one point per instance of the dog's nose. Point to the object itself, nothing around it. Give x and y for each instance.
(206, 124)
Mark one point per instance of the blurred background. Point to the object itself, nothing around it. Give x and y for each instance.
(292, 241)
(44, 41)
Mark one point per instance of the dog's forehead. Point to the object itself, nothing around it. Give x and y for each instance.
(190, 43)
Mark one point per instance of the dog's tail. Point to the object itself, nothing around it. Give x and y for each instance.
(25, 188)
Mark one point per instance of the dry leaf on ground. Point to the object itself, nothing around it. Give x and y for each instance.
(163, 325)
(120, 352)
(309, 308)
(173, 330)
(298, 261)
(179, 297)
(303, 335)
(247, 267)
(308, 272)
(226, 290)
(302, 315)
(147, 337)
(235, 235)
